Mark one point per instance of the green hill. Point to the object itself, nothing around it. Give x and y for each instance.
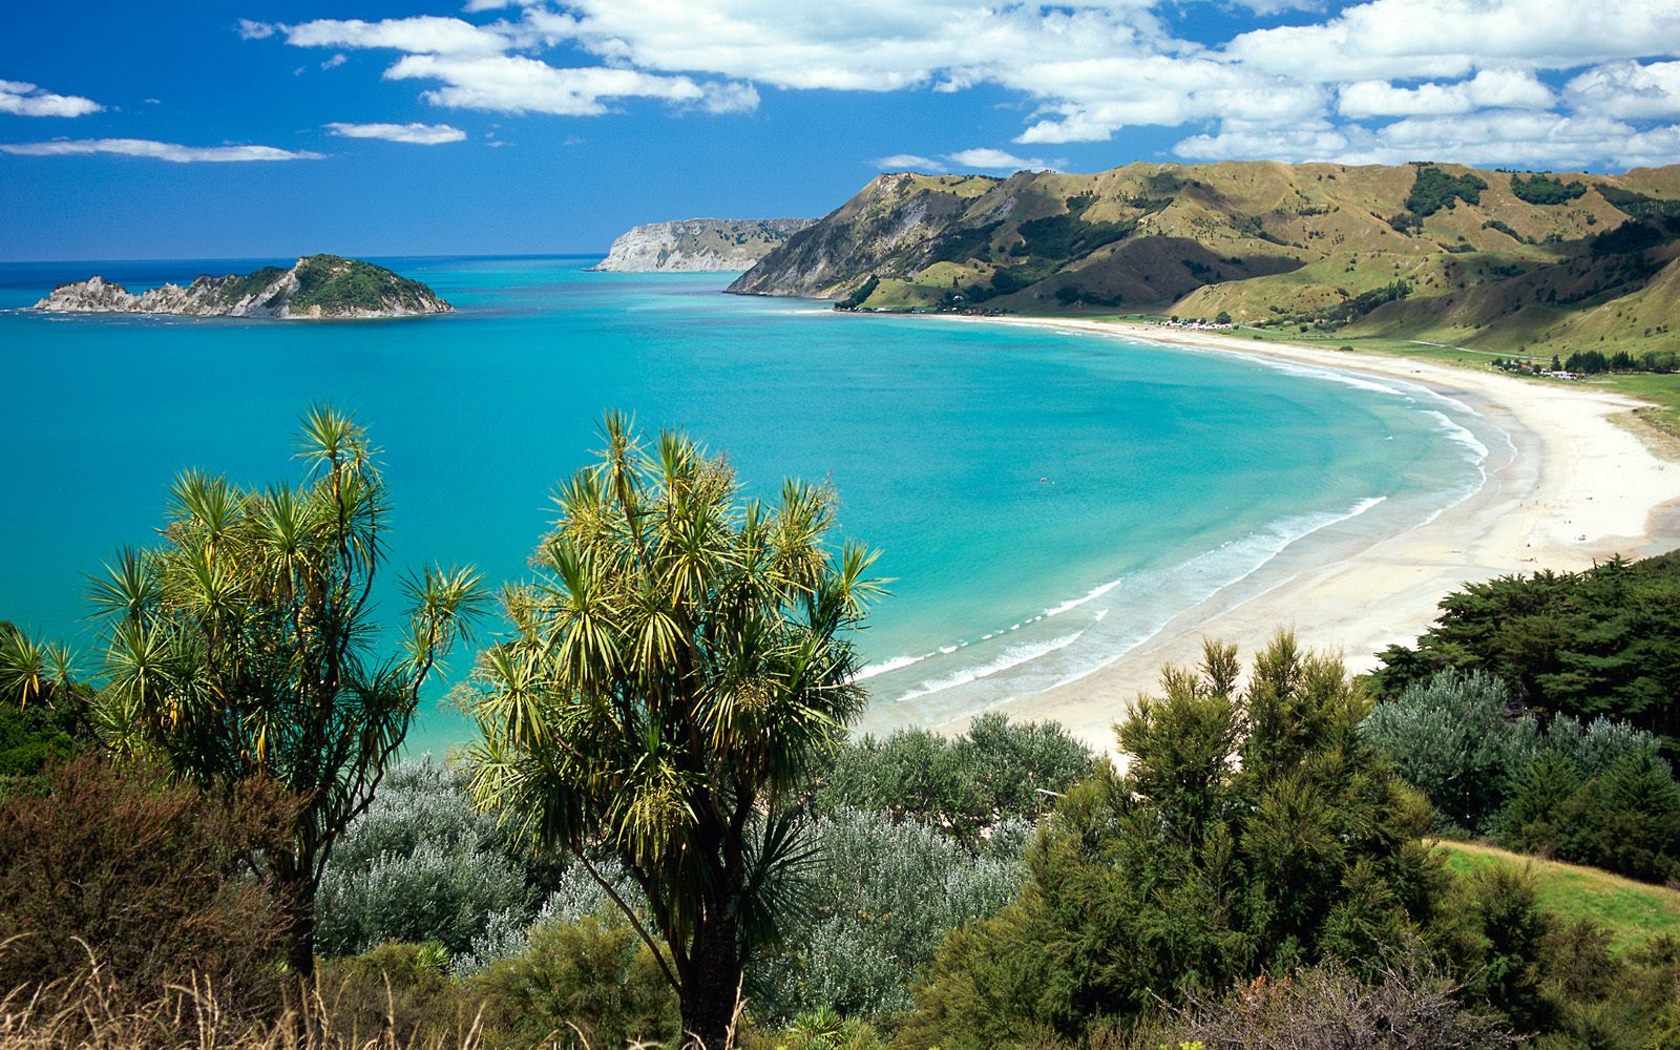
(1631, 911)
(1487, 259)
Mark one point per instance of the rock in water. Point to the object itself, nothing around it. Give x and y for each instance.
(698, 245)
(322, 287)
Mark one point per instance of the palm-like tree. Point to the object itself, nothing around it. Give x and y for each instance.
(678, 668)
(242, 645)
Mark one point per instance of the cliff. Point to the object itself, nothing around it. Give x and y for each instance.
(316, 287)
(1434, 251)
(697, 245)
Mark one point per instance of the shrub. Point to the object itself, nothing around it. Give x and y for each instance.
(107, 864)
(399, 994)
(998, 771)
(422, 864)
(1252, 832)
(1601, 642)
(1407, 1005)
(880, 897)
(1455, 739)
(594, 974)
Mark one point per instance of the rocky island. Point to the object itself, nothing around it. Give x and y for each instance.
(698, 245)
(324, 287)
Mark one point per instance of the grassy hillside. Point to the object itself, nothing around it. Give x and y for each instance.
(1493, 260)
(1632, 911)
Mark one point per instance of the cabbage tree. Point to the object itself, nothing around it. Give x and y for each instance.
(243, 645)
(676, 672)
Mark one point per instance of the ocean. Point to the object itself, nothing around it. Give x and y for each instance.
(1043, 500)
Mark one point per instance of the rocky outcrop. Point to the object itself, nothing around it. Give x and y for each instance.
(698, 245)
(317, 287)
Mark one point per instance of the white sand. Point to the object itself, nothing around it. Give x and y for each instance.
(1580, 487)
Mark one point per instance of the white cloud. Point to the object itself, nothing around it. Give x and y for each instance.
(424, 34)
(987, 159)
(1488, 89)
(1341, 83)
(910, 161)
(1628, 90)
(416, 134)
(335, 61)
(516, 84)
(168, 151)
(249, 30)
(26, 100)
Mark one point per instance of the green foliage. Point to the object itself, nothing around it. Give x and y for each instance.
(964, 785)
(1069, 235)
(589, 983)
(1630, 237)
(1601, 642)
(400, 995)
(1638, 205)
(233, 288)
(422, 864)
(1251, 832)
(1435, 189)
(1455, 739)
(108, 863)
(42, 710)
(880, 897)
(241, 646)
(336, 284)
(675, 678)
(1545, 189)
(859, 294)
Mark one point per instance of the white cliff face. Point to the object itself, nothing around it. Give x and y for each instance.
(698, 245)
(304, 291)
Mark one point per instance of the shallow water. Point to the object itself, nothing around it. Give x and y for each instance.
(1043, 499)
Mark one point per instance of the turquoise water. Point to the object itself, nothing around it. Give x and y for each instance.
(1006, 473)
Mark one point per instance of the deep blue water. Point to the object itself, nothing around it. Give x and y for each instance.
(1005, 472)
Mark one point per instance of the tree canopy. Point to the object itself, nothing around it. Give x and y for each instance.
(678, 670)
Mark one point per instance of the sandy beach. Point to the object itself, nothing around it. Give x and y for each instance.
(1577, 485)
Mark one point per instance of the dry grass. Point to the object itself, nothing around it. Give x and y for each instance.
(91, 1011)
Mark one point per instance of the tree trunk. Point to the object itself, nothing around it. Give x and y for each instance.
(300, 926)
(710, 988)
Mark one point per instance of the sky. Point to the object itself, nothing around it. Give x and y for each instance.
(262, 128)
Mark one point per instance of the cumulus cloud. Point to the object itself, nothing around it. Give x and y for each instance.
(1488, 89)
(250, 30)
(1343, 82)
(168, 151)
(416, 134)
(21, 99)
(987, 159)
(1628, 90)
(910, 162)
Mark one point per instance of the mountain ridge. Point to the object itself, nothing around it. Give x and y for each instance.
(697, 245)
(1421, 248)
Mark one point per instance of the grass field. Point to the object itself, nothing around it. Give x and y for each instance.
(1632, 911)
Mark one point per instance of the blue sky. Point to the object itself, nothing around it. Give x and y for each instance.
(194, 128)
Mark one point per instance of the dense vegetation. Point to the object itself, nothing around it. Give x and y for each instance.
(338, 285)
(1601, 642)
(664, 832)
(1546, 189)
(1435, 189)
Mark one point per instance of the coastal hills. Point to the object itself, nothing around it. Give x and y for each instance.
(316, 287)
(1495, 259)
(698, 245)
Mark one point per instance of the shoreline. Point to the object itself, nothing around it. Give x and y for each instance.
(1578, 486)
